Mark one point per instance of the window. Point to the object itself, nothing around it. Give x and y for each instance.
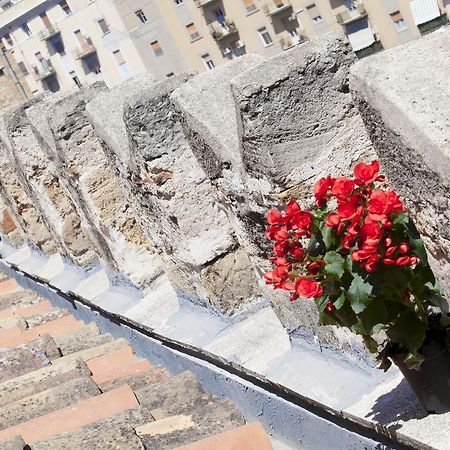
(119, 57)
(23, 68)
(103, 26)
(170, 75)
(265, 36)
(192, 31)
(314, 13)
(250, 5)
(178, 2)
(156, 48)
(208, 61)
(141, 16)
(399, 21)
(9, 40)
(65, 7)
(46, 20)
(26, 29)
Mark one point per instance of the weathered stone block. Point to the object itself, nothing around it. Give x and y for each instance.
(97, 191)
(180, 208)
(9, 224)
(38, 176)
(18, 200)
(402, 95)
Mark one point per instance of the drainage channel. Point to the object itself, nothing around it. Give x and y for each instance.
(286, 414)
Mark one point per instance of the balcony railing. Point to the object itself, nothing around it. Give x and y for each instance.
(287, 42)
(43, 70)
(202, 3)
(220, 30)
(351, 15)
(49, 32)
(85, 50)
(276, 7)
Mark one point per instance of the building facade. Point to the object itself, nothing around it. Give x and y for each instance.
(65, 44)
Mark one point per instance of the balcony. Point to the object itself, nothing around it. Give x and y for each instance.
(49, 32)
(203, 3)
(351, 15)
(222, 30)
(85, 49)
(287, 42)
(43, 70)
(276, 7)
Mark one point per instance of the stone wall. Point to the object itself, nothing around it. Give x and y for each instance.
(168, 183)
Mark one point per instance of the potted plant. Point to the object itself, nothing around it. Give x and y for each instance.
(357, 253)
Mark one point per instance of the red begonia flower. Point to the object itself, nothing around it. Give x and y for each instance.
(274, 217)
(308, 288)
(321, 189)
(342, 188)
(366, 173)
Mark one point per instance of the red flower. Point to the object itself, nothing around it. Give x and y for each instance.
(347, 210)
(390, 251)
(342, 188)
(332, 220)
(302, 220)
(348, 241)
(276, 276)
(394, 203)
(321, 189)
(281, 248)
(305, 287)
(371, 231)
(388, 261)
(314, 267)
(403, 261)
(378, 202)
(281, 234)
(403, 248)
(372, 263)
(366, 173)
(274, 217)
(297, 251)
(292, 208)
(330, 307)
(281, 262)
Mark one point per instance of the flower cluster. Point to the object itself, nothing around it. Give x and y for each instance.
(358, 255)
(362, 221)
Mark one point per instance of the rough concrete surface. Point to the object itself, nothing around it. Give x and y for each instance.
(38, 176)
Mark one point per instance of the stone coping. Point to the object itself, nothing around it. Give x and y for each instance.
(294, 372)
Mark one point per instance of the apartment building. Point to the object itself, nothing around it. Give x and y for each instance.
(62, 44)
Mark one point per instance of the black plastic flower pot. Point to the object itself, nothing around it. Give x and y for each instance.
(431, 383)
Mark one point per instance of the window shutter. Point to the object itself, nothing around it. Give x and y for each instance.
(191, 28)
(313, 10)
(396, 16)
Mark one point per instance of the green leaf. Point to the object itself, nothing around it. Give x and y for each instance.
(339, 302)
(371, 344)
(444, 321)
(334, 265)
(328, 236)
(359, 294)
(414, 360)
(381, 312)
(322, 302)
(401, 219)
(440, 302)
(408, 330)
